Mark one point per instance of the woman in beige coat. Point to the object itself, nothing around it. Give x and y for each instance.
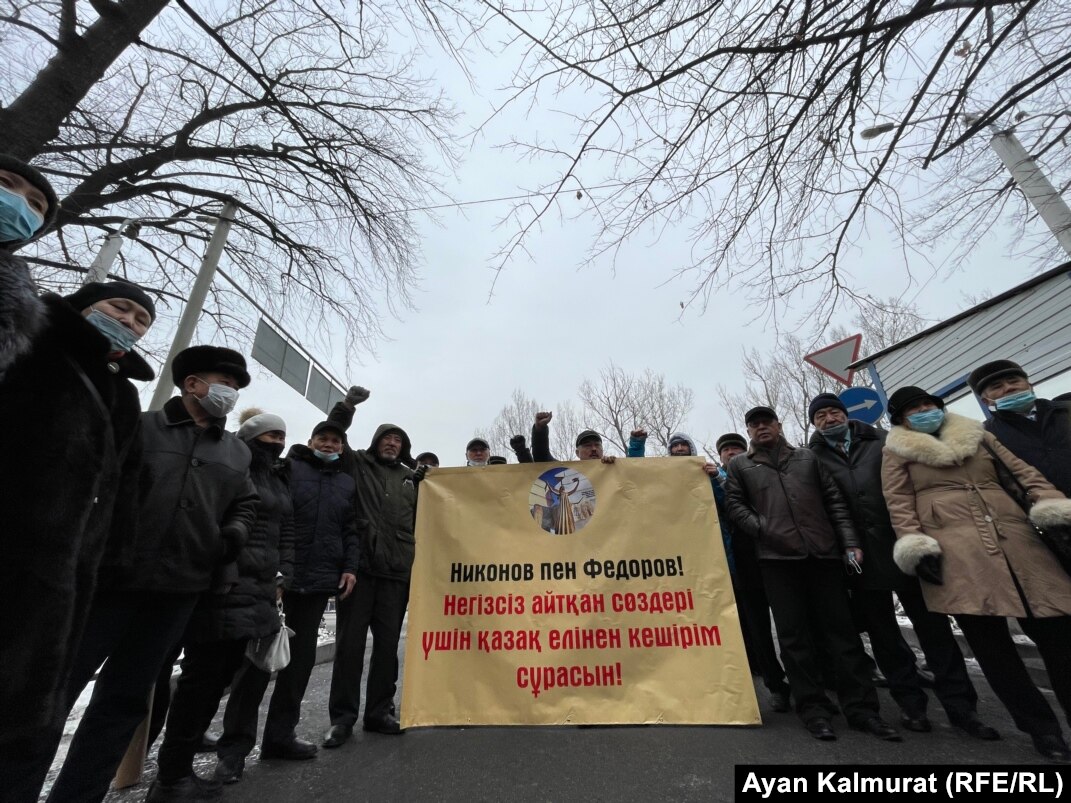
(981, 560)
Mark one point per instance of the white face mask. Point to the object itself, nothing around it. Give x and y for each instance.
(220, 399)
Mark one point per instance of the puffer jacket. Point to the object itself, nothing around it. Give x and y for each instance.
(248, 610)
(858, 474)
(325, 539)
(945, 497)
(789, 504)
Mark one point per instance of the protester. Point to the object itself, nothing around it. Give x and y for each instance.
(497, 460)
(782, 498)
(748, 590)
(477, 452)
(588, 442)
(240, 607)
(1037, 431)
(951, 488)
(520, 448)
(386, 507)
(197, 505)
(325, 564)
(427, 459)
(851, 452)
(637, 443)
(69, 504)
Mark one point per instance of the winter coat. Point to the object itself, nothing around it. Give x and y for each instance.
(386, 504)
(197, 502)
(789, 504)
(248, 610)
(325, 537)
(945, 497)
(541, 445)
(1043, 442)
(69, 479)
(858, 475)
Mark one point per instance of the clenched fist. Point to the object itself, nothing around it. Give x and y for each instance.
(542, 419)
(356, 394)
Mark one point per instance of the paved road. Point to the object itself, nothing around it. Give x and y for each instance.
(563, 764)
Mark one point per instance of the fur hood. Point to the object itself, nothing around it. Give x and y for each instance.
(957, 439)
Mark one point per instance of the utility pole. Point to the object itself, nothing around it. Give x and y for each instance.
(192, 313)
(102, 263)
(1035, 186)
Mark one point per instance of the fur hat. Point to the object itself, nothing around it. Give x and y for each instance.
(992, 371)
(209, 359)
(34, 176)
(730, 439)
(822, 401)
(906, 396)
(255, 422)
(89, 294)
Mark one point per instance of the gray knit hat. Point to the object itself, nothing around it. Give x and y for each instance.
(257, 425)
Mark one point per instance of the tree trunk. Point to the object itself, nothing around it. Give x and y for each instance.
(34, 118)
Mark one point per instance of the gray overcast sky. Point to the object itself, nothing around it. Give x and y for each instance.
(451, 363)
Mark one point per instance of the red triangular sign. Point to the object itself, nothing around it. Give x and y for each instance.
(834, 360)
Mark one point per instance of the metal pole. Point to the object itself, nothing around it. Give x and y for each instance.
(102, 263)
(1035, 186)
(192, 313)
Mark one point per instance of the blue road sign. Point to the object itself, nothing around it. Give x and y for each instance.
(864, 404)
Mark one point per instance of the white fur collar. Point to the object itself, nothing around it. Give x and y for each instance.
(957, 440)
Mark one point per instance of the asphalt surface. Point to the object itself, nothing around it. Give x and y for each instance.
(590, 764)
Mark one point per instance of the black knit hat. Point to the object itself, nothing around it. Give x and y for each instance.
(992, 371)
(34, 176)
(756, 412)
(209, 359)
(89, 294)
(730, 439)
(823, 400)
(905, 397)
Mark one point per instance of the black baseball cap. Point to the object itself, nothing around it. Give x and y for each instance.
(588, 435)
(760, 412)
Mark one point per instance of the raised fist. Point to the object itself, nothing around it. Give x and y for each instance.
(356, 394)
(516, 442)
(639, 433)
(542, 419)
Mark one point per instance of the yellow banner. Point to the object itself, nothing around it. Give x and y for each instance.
(573, 593)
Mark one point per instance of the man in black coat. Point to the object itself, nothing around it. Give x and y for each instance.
(386, 520)
(197, 505)
(1037, 431)
(784, 500)
(851, 454)
(70, 418)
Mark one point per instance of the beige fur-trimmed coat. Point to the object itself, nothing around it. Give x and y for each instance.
(944, 497)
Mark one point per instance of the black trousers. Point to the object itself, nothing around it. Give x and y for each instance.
(952, 684)
(813, 590)
(1003, 667)
(379, 604)
(754, 609)
(130, 632)
(876, 615)
(161, 698)
(207, 670)
(243, 708)
(303, 615)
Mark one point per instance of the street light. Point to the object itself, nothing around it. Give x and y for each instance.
(1025, 172)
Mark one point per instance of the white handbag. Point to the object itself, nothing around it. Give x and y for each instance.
(271, 653)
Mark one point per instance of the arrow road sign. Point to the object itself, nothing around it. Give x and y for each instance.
(834, 360)
(864, 404)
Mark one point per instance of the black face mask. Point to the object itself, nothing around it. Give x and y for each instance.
(271, 451)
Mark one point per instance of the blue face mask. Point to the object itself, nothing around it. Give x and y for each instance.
(1021, 402)
(18, 222)
(121, 338)
(837, 432)
(327, 457)
(928, 422)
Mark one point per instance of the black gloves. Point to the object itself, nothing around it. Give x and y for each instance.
(418, 475)
(929, 569)
(516, 443)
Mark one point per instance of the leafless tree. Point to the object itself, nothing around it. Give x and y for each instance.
(514, 419)
(297, 111)
(785, 382)
(747, 116)
(613, 403)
